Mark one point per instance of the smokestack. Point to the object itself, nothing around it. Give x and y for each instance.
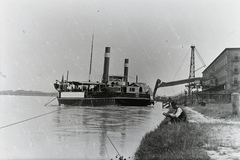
(126, 71)
(106, 65)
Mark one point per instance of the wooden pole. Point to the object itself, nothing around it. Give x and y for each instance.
(235, 104)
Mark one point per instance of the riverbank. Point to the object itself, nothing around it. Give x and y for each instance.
(212, 133)
(224, 133)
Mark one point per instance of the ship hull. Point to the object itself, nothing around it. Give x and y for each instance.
(117, 101)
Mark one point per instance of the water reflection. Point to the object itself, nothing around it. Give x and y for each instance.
(102, 132)
(72, 132)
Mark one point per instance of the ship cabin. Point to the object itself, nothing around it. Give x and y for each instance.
(116, 81)
(119, 85)
(74, 86)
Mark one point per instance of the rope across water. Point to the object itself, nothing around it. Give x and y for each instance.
(41, 115)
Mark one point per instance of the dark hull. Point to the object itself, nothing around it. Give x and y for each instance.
(117, 101)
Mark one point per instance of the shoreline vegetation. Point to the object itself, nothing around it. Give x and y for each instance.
(27, 93)
(210, 134)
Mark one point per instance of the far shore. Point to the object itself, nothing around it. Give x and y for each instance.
(27, 93)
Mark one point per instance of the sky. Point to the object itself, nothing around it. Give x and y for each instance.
(40, 40)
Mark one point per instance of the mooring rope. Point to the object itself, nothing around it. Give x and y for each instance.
(28, 119)
(50, 98)
(113, 145)
(111, 142)
(19, 122)
(50, 101)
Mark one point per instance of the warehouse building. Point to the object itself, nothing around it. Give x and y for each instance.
(223, 74)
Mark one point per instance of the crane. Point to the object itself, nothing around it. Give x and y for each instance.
(159, 83)
(191, 80)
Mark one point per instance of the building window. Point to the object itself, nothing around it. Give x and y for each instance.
(235, 70)
(236, 58)
(235, 81)
(132, 89)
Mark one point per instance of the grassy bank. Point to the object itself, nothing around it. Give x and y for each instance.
(186, 141)
(181, 141)
(217, 111)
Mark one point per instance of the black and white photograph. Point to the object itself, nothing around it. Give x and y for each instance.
(120, 79)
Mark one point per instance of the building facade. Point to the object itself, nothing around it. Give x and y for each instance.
(223, 74)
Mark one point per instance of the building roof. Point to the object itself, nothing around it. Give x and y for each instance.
(219, 56)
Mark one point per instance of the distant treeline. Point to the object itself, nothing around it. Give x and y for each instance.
(26, 93)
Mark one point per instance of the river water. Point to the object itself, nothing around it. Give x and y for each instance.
(30, 130)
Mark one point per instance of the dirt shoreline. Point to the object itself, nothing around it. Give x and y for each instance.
(224, 136)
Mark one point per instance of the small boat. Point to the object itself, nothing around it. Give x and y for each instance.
(112, 90)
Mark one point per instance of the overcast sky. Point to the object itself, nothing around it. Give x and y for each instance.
(43, 39)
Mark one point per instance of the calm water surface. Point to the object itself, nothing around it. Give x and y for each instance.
(71, 132)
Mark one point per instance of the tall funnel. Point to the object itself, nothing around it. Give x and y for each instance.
(126, 71)
(106, 65)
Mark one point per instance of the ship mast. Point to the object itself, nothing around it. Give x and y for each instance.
(90, 69)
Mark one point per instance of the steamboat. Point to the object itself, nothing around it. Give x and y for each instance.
(112, 90)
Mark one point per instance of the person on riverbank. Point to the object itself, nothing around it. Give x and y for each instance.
(178, 114)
